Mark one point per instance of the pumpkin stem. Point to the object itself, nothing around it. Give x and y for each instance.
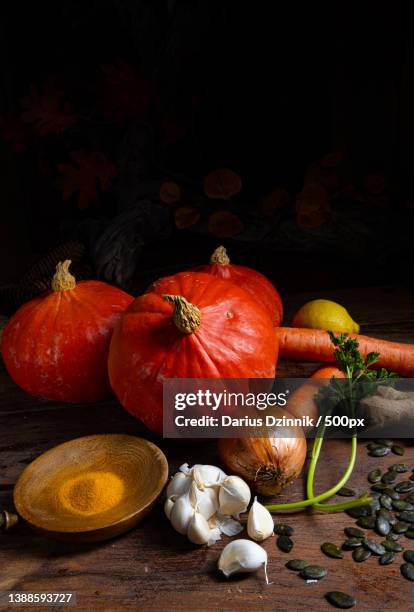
(63, 279)
(220, 256)
(187, 317)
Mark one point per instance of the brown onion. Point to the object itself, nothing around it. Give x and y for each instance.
(267, 464)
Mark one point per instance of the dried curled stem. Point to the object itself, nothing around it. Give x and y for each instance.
(220, 256)
(63, 279)
(187, 317)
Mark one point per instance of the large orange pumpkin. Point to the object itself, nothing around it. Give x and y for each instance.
(56, 346)
(190, 325)
(252, 281)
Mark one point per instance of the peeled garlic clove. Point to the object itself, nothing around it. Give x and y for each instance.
(178, 485)
(205, 500)
(259, 522)
(209, 475)
(234, 495)
(181, 514)
(198, 530)
(241, 556)
(168, 506)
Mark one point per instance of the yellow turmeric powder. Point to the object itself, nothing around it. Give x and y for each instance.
(91, 493)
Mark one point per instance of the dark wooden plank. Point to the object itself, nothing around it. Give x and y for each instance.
(153, 567)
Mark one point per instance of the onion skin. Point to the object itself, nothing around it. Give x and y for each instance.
(268, 464)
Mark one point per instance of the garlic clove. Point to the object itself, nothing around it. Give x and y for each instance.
(198, 530)
(181, 514)
(241, 556)
(168, 506)
(234, 495)
(178, 485)
(259, 522)
(228, 526)
(209, 475)
(205, 500)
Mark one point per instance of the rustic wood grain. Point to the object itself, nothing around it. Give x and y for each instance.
(153, 567)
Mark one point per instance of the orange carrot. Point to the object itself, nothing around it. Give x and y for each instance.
(302, 344)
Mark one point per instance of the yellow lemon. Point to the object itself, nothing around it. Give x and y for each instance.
(325, 314)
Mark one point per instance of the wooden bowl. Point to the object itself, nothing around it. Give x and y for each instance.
(137, 468)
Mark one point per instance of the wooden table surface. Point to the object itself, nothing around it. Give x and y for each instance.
(153, 567)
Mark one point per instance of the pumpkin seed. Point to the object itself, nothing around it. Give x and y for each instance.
(283, 529)
(391, 493)
(407, 570)
(379, 451)
(384, 442)
(398, 450)
(373, 445)
(386, 558)
(359, 511)
(407, 516)
(340, 600)
(284, 543)
(389, 477)
(409, 534)
(313, 572)
(406, 486)
(400, 527)
(399, 504)
(393, 536)
(409, 556)
(386, 501)
(379, 487)
(382, 526)
(401, 468)
(351, 543)
(366, 522)
(346, 492)
(375, 504)
(374, 476)
(296, 565)
(392, 546)
(375, 547)
(353, 532)
(360, 554)
(332, 550)
(385, 514)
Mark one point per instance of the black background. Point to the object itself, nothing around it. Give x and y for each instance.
(263, 88)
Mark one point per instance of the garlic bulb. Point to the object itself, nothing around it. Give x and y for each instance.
(234, 495)
(259, 522)
(181, 514)
(192, 503)
(178, 485)
(205, 500)
(198, 529)
(168, 506)
(242, 556)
